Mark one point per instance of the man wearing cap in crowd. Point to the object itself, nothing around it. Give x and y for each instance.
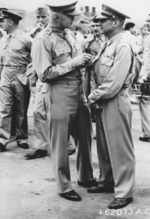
(40, 128)
(113, 69)
(144, 101)
(15, 55)
(82, 30)
(42, 20)
(92, 45)
(57, 59)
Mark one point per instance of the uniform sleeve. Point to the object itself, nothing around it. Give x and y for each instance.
(28, 42)
(145, 71)
(116, 77)
(43, 63)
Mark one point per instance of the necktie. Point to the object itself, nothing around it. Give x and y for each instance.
(73, 44)
(8, 38)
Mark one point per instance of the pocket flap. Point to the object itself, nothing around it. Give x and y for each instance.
(108, 61)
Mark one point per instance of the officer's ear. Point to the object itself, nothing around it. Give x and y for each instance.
(116, 22)
(11, 22)
(57, 17)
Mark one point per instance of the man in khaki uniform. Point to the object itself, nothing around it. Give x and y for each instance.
(57, 59)
(113, 69)
(145, 101)
(92, 45)
(14, 58)
(40, 127)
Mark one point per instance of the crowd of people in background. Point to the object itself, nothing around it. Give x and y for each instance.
(77, 74)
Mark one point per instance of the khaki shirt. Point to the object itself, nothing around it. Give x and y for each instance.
(15, 55)
(15, 50)
(51, 52)
(113, 68)
(92, 45)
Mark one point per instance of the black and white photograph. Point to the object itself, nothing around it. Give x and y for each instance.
(74, 109)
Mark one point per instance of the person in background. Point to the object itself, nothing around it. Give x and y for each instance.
(139, 54)
(15, 56)
(92, 45)
(114, 68)
(82, 30)
(40, 127)
(144, 101)
(130, 37)
(57, 59)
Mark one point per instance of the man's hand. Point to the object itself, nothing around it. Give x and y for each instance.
(81, 60)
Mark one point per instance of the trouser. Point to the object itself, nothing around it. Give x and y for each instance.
(13, 94)
(144, 105)
(40, 128)
(115, 145)
(69, 113)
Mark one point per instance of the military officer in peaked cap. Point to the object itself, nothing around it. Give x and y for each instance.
(57, 59)
(113, 69)
(15, 56)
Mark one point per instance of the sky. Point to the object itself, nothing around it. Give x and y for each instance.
(136, 9)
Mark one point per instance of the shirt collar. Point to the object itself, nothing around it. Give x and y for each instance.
(114, 38)
(12, 34)
(59, 32)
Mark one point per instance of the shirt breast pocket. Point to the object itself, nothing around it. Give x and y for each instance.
(62, 55)
(16, 45)
(107, 63)
(62, 51)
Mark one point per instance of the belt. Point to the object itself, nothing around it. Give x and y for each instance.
(13, 66)
(69, 82)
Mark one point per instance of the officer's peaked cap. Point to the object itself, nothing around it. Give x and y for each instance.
(66, 7)
(108, 12)
(9, 14)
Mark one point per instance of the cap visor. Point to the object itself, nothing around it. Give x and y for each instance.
(101, 16)
(74, 13)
